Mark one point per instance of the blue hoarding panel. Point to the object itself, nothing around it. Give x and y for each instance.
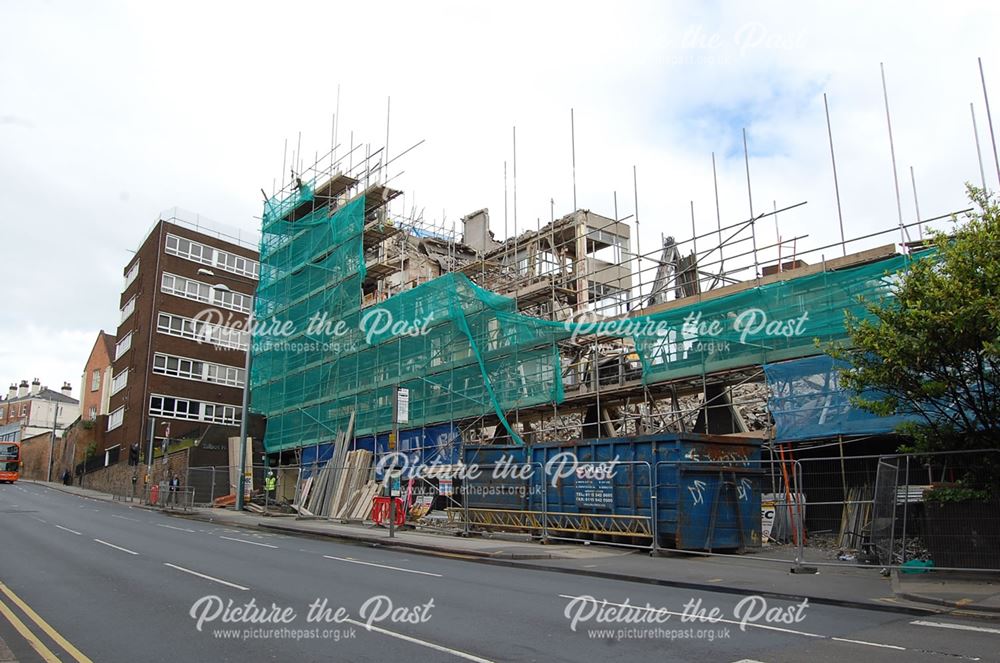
(431, 445)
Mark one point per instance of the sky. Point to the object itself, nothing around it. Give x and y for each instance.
(111, 113)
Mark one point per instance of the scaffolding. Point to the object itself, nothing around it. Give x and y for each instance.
(560, 332)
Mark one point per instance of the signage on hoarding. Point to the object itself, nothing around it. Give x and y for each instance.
(402, 405)
(594, 487)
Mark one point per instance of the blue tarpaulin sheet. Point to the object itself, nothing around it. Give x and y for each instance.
(807, 402)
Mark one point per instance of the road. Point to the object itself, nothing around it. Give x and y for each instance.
(107, 582)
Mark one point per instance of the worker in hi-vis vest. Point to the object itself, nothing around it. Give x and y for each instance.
(269, 484)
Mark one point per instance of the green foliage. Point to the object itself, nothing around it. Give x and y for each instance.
(91, 450)
(956, 494)
(933, 348)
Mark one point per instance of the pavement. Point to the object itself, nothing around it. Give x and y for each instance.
(765, 574)
(91, 579)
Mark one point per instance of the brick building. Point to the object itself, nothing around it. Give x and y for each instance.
(178, 362)
(95, 384)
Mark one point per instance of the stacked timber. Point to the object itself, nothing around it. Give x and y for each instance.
(855, 517)
(344, 487)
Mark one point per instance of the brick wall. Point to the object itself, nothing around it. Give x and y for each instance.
(35, 457)
(119, 476)
(70, 449)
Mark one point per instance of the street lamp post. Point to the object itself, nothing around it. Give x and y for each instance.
(244, 411)
(52, 441)
(244, 415)
(149, 452)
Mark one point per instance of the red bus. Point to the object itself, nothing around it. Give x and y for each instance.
(10, 461)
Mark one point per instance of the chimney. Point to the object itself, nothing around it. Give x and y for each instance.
(36, 386)
(67, 390)
(12, 392)
(22, 389)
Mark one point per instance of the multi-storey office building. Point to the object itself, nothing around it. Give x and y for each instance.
(178, 364)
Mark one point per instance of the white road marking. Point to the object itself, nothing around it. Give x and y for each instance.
(957, 627)
(134, 520)
(44, 522)
(179, 529)
(382, 566)
(424, 643)
(111, 545)
(202, 575)
(252, 543)
(69, 530)
(870, 644)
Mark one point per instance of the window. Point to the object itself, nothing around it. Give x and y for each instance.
(116, 417)
(92, 414)
(235, 301)
(182, 408)
(226, 337)
(202, 292)
(131, 274)
(95, 380)
(237, 264)
(185, 248)
(229, 375)
(123, 346)
(193, 369)
(206, 255)
(128, 309)
(178, 367)
(1, 413)
(187, 288)
(119, 381)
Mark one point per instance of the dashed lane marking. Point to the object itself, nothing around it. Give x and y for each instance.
(207, 577)
(252, 543)
(179, 529)
(424, 643)
(111, 545)
(957, 627)
(382, 566)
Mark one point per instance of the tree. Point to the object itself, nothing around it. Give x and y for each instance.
(932, 349)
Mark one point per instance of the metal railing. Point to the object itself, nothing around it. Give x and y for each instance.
(904, 511)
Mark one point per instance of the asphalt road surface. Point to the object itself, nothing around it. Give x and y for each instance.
(87, 580)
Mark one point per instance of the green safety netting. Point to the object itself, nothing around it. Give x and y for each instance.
(761, 324)
(463, 351)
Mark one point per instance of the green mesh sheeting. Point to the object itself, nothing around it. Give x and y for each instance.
(464, 351)
(780, 320)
